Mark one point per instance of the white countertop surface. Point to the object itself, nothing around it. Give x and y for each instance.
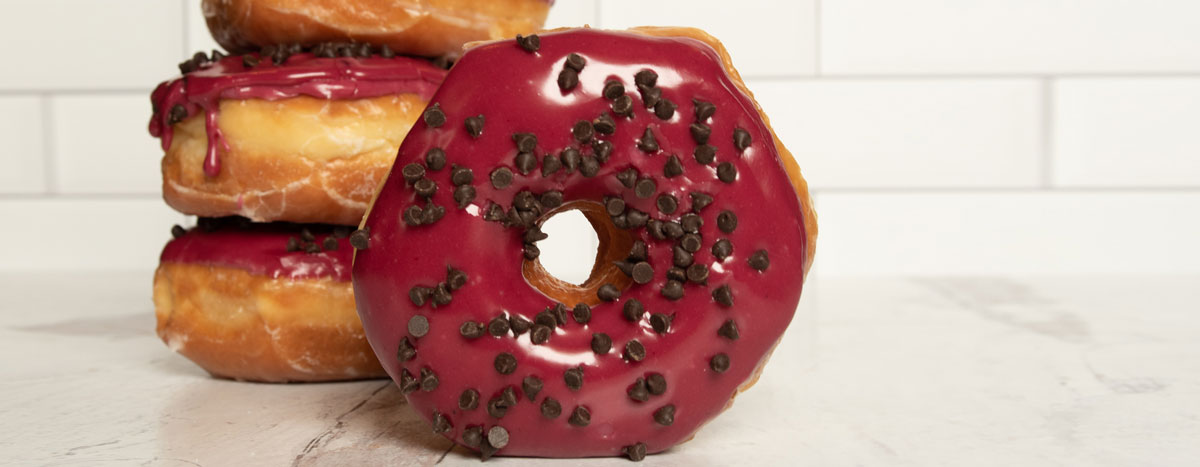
(998, 371)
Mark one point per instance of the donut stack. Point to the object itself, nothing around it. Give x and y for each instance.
(278, 146)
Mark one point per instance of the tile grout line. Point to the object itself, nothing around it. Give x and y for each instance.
(1047, 143)
(817, 38)
(48, 147)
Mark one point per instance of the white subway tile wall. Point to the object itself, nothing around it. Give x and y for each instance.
(940, 137)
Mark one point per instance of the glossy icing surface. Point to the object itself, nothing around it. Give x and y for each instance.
(517, 91)
(261, 249)
(301, 75)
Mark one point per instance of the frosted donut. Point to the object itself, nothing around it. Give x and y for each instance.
(262, 302)
(416, 27)
(706, 234)
(286, 135)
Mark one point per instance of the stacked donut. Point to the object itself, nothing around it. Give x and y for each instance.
(278, 148)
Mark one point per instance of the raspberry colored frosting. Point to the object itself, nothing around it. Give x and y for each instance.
(302, 74)
(261, 250)
(518, 91)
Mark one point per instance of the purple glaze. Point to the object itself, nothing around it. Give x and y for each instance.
(261, 249)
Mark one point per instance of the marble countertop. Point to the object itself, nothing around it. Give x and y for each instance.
(1004, 371)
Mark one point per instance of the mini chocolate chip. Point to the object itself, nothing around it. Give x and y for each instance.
(582, 313)
(498, 326)
(642, 273)
(741, 139)
(473, 436)
(429, 380)
(636, 452)
(628, 177)
(469, 399)
(625, 267)
(249, 61)
(690, 243)
(650, 96)
(551, 199)
(532, 252)
(425, 188)
(386, 52)
(440, 423)
(676, 274)
(645, 188)
(574, 376)
(539, 334)
(583, 131)
(419, 295)
(535, 234)
(546, 318)
(293, 245)
(729, 330)
(575, 62)
(531, 386)
(432, 213)
(405, 351)
(463, 196)
(697, 273)
(634, 351)
(412, 172)
(312, 248)
(759, 260)
(570, 159)
(726, 172)
(648, 142)
(723, 295)
(636, 219)
(613, 89)
(666, 203)
(551, 408)
(518, 325)
(680, 257)
(418, 326)
(497, 407)
(307, 235)
(589, 166)
(700, 200)
(705, 154)
(633, 310)
(408, 384)
(412, 215)
(637, 252)
(362, 50)
(623, 106)
(550, 165)
(502, 177)
(525, 162)
(486, 451)
(474, 125)
(656, 383)
(673, 167)
(530, 43)
(524, 200)
(672, 229)
(691, 223)
(435, 159)
(614, 206)
(505, 363)
(494, 213)
(673, 290)
(329, 244)
(637, 391)
(604, 124)
(178, 231)
(568, 79)
(700, 132)
(526, 142)
(646, 77)
(602, 150)
(704, 110)
(580, 416)
(665, 415)
(434, 117)
(664, 109)
(601, 343)
(177, 114)
(727, 221)
(497, 436)
(471, 329)
(608, 292)
(661, 323)
(560, 313)
(722, 249)
(719, 363)
(441, 295)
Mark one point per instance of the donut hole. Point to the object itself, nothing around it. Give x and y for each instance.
(564, 276)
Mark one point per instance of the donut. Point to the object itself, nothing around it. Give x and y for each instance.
(286, 134)
(706, 234)
(262, 302)
(417, 27)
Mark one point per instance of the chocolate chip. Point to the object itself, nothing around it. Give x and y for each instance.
(463, 196)
(681, 257)
(648, 142)
(656, 383)
(637, 391)
(441, 424)
(705, 154)
(408, 384)
(614, 206)
(362, 50)
(704, 110)
(469, 399)
(505, 363)
(700, 132)
(634, 351)
(494, 213)
(759, 261)
(441, 295)
(293, 245)
(307, 235)
(672, 229)
(580, 416)
(434, 117)
(412, 172)
(525, 162)
(642, 273)
(637, 252)
(613, 89)
(418, 326)
(329, 244)
(650, 96)
(697, 273)
(405, 351)
(729, 330)
(312, 248)
(249, 61)
(530, 43)
(551, 408)
(502, 177)
(627, 177)
(497, 407)
(498, 326)
(700, 200)
(574, 376)
(526, 142)
(719, 363)
(560, 313)
(531, 386)
(665, 415)
(518, 325)
(497, 436)
(178, 231)
(664, 109)
(589, 166)
(471, 329)
(723, 295)
(546, 318)
(636, 452)
(473, 436)
(646, 78)
(386, 52)
(425, 188)
(419, 295)
(604, 124)
(413, 215)
(601, 343)
(583, 131)
(177, 114)
(741, 139)
(582, 313)
(722, 249)
(636, 218)
(432, 213)
(570, 159)
(568, 79)
(551, 199)
(661, 323)
(535, 234)
(676, 274)
(673, 290)
(531, 251)
(633, 310)
(429, 380)
(623, 106)
(690, 243)
(539, 334)
(727, 221)
(435, 159)
(608, 292)
(691, 223)
(673, 167)
(550, 165)
(575, 62)
(666, 203)
(474, 125)
(602, 150)
(645, 188)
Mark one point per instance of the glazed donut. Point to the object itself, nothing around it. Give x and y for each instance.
(417, 27)
(706, 234)
(286, 135)
(262, 302)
